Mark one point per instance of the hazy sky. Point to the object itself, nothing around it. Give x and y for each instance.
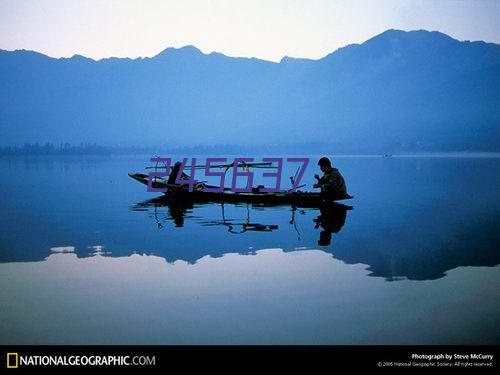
(267, 29)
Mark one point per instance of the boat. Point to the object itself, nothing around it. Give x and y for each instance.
(256, 196)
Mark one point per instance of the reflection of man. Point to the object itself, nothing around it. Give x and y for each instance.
(177, 213)
(332, 183)
(331, 220)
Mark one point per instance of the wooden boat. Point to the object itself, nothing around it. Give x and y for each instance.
(284, 197)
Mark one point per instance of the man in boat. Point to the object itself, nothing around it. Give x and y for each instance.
(173, 173)
(332, 183)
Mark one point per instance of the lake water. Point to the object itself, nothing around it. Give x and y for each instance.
(87, 256)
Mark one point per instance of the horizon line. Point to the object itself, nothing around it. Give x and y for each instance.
(77, 55)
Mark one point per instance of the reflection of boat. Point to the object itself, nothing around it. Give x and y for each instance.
(177, 210)
(297, 198)
(330, 220)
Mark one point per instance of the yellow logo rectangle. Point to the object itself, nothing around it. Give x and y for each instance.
(12, 360)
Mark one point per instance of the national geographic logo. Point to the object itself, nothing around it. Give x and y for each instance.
(12, 360)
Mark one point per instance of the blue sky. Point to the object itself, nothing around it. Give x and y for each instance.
(267, 29)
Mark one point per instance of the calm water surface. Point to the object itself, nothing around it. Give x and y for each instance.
(87, 256)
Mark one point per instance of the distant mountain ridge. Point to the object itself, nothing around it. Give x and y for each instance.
(399, 90)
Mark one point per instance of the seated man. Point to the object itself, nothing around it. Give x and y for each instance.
(174, 173)
(332, 183)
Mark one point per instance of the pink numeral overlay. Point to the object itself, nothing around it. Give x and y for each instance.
(222, 175)
(152, 175)
(305, 162)
(237, 174)
(276, 174)
(190, 182)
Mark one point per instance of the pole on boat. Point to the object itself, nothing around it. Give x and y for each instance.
(227, 166)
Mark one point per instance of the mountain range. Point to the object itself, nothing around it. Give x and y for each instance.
(416, 90)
